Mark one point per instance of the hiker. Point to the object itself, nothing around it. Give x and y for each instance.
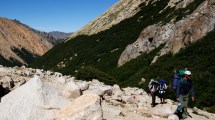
(162, 90)
(153, 87)
(179, 74)
(184, 87)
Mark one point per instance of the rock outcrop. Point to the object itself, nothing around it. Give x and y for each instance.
(41, 98)
(175, 36)
(35, 100)
(86, 107)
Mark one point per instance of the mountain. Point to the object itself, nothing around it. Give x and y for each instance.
(59, 35)
(149, 39)
(20, 45)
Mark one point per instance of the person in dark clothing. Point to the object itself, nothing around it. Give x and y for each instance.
(162, 90)
(184, 87)
(153, 87)
(179, 74)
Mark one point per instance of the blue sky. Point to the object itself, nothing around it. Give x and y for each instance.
(54, 15)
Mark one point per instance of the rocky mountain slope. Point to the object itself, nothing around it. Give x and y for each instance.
(175, 35)
(118, 12)
(44, 95)
(19, 43)
(171, 34)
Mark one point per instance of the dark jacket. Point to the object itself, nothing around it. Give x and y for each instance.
(184, 87)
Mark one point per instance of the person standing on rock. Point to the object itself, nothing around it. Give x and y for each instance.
(184, 87)
(162, 90)
(153, 87)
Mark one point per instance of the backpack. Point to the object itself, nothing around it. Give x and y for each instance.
(177, 77)
(162, 86)
(153, 86)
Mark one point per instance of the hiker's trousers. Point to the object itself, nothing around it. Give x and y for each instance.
(184, 103)
(153, 98)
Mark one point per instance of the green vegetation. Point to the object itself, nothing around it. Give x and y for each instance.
(11, 62)
(24, 54)
(96, 56)
(89, 73)
(129, 74)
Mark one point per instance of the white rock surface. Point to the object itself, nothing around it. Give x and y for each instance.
(173, 117)
(83, 85)
(71, 91)
(35, 100)
(86, 107)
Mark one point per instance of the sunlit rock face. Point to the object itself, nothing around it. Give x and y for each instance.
(175, 36)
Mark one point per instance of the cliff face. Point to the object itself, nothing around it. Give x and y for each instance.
(175, 35)
(19, 43)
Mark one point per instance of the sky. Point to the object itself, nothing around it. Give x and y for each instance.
(54, 15)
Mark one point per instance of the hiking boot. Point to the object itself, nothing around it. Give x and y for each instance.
(174, 103)
(153, 106)
(164, 102)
